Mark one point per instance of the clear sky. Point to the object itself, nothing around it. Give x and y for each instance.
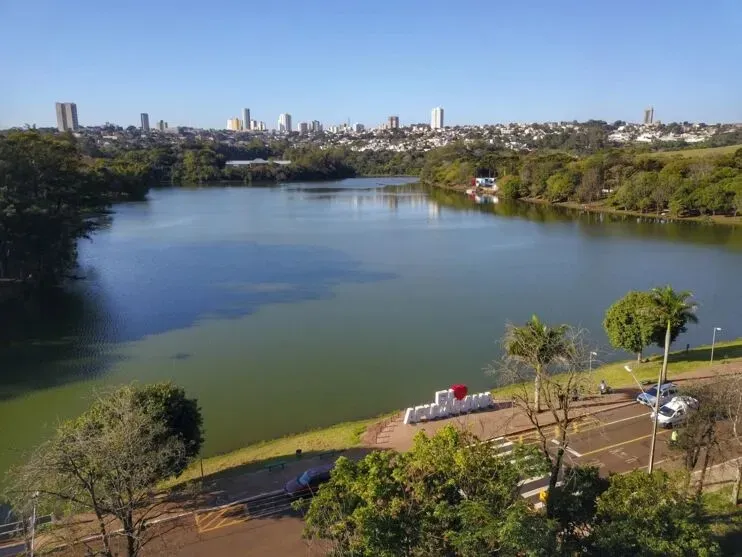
(199, 62)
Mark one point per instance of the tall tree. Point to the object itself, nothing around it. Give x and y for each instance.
(108, 462)
(649, 515)
(446, 496)
(537, 346)
(630, 322)
(672, 312)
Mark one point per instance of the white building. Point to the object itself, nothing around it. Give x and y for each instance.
(436, 118)
(284, 123)
(316, 126)
(245, 118)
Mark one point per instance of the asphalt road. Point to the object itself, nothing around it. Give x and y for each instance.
(616, 441)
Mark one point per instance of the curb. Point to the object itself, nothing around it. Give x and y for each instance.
(242, 501)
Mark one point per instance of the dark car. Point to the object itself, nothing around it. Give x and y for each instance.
(306, 484)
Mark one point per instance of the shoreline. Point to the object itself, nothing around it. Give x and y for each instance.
(355, 433)
(599, 207)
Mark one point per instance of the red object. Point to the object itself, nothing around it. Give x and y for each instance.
(459, 391)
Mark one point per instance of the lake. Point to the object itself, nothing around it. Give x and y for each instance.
(297, 306)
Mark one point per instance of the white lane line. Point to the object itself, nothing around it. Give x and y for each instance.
(570, 450)
(536, 491)
(604, 424)
(531, 480)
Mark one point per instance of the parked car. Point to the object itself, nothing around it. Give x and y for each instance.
(649, 397)
(676, 411)
(307, 483)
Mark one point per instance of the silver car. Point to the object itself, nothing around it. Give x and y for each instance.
(676, 411)
(649, 397)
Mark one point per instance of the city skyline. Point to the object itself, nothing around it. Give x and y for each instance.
(552, 75)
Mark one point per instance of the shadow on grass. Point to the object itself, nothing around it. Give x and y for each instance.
(703, 354)
(254, 478)
(725, 520)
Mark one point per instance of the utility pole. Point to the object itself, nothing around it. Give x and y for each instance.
(713, 341)
(657, 400)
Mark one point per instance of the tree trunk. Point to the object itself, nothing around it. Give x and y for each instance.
(555, 469)
(704, 467)
(737, 483)
(667, 352)
(537, 395)
(104, 535)
(638, 357)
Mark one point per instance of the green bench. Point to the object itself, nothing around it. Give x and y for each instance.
(275, 466)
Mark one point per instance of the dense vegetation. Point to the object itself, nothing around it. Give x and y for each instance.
(624, 179)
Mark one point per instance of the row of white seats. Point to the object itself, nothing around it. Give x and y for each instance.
(447, 405)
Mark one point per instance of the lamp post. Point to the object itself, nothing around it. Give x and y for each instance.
(713, 341)
(631, 371)
(590, 360)
(35, 497)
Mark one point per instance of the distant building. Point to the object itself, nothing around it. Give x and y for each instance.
(284, 123)
(162, 125)
(303, 127)
(316, 126)
(258, 126)
(393, 122)
(234, 124)
(145, 121)
(649, 115)
(436, 118)
(245, 118)
(67, 117)
(359, 128)
(253, 124)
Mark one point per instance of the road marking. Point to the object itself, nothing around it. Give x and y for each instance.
(626, 419)
(570, 450)
(538, 490)
(609, 447)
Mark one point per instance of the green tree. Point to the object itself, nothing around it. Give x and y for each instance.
(509, 187)
(47, 200)
(561, 186)
(109, 462)
(446, 496)
(672, 312)
(630, 322)
(648, 515)
(537, 346)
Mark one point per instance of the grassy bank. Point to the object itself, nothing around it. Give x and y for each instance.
(700, 153)
(679, 362)
(342, 436)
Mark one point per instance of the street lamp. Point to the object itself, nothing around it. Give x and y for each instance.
(590, 360)
(631, 371)
(713, 341)
(35, 497)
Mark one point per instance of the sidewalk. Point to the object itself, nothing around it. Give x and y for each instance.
(506, 419)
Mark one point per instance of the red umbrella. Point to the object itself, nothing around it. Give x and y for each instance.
(459, 391)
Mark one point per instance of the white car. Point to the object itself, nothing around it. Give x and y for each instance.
(649, 397)
(676, 411)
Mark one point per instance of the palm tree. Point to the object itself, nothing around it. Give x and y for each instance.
(537, 346)
(673, 311)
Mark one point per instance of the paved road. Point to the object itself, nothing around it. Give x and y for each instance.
(615, 441)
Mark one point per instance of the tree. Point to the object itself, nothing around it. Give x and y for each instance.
(109, 462)
(47, 199)
(672, 311)
(509, 187)
(649, 515)
(447, 496)
(537, 346)
(561, 379)
(630, 322)
(700, 432)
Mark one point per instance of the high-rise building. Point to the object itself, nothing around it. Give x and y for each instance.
(649, 115)
(162, 125)
(245, 118)
(303, 127)
(234, 124)
(66, 116)
(393, 122)
(145, 121)
(284, 123)
(436, 118)
(316, 126)
(359, 128)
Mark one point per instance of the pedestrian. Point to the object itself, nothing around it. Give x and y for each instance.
(674, 437)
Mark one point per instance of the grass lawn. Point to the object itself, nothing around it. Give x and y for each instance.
(678, 362)
(694, 153)
(253, 457)
(725, 520)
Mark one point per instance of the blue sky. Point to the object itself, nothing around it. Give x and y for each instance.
(199, 62)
